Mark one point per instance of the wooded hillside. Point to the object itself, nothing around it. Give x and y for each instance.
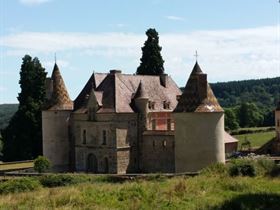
(6, 112)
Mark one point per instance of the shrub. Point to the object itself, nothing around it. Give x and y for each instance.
(57, 180)
(41, 164)
(242, 167)
(19, 185)
(265, 166)
(275, 172)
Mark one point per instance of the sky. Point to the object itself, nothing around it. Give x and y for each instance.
(235, 39)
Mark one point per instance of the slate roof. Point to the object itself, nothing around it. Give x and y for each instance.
(198, 95)
(60, 99)
(116, 92)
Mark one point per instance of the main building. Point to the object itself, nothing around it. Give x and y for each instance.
(122, 123)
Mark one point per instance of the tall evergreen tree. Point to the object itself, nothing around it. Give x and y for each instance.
(151, 61)
(23, 136)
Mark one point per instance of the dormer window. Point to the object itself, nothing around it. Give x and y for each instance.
(151, 105)
(166, 105)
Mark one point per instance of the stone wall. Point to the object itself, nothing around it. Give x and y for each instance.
(111, 136)
(157, 152)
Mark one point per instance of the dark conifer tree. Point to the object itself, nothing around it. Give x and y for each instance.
(23, 136)
(151, 61)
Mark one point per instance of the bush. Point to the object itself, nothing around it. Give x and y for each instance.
(275, 172)
(19, 185)
(41, 164)
(58, 180)
(242, 167)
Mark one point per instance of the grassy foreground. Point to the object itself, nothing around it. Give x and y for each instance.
(201, 192)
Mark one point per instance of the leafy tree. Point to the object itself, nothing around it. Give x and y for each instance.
(250, 115)
(151, 61)
(231, 122)
(41, 164)
(23, 136)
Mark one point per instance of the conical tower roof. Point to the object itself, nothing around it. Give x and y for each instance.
(60, 99)
(141, 93)
(198, 95)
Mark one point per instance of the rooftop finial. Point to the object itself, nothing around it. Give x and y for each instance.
(196, 55)
(54, 57)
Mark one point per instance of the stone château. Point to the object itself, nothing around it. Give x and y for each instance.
(122, 123)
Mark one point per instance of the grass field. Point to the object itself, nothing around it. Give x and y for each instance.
(16, 165)
(201, 192)
(256, 139)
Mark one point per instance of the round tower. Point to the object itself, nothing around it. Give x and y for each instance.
(55, 123)
(199, 126)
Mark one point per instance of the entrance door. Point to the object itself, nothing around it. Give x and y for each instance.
(92, 166)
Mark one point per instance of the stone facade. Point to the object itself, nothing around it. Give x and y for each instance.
(121, 124)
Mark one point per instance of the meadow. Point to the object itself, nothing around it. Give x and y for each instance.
(213, 189)
(256, 139)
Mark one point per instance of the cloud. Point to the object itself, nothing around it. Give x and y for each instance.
(171, 17)
(223, 54)
(33, 2)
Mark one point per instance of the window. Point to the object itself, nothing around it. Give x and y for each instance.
(164, 144)
(151, 105)
(166, 105)
(154, 144)
(278, 123)
(84, 136)
(104, 137)
(153, 124)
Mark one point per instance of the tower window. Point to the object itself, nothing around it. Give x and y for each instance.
(84, 136)
(104, 137)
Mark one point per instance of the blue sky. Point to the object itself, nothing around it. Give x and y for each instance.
(235, 39)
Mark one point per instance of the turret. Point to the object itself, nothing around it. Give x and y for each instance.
(55, 122)
(199, 130)
(141, 99)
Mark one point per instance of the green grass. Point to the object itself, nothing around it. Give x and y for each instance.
(201, 192)
(256, 139)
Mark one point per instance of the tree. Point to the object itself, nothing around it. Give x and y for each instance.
(250, 115)
(230, 119)
(151, 61)
(23, 136)
(41, 164)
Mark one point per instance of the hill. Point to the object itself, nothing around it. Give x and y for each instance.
(6, 112)
(260, 96)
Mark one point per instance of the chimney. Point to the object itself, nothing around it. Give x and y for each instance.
(115, 71)
(202, 86)
(49, 88)
(163, 79)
